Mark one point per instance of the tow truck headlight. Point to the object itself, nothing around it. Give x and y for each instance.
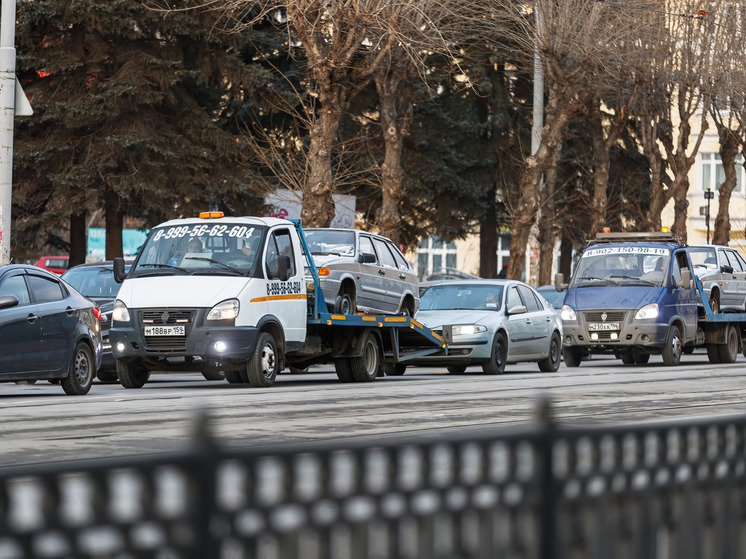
(120, 313)
(467, 329)
(568, 313)
(227, 310)
(647, 312)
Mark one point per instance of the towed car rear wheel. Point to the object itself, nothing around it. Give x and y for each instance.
(80, 372)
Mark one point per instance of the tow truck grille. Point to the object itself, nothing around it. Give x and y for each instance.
(167, 317)
(611, 316)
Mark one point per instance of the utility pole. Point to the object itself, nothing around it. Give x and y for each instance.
(12, 102)
(709, 195)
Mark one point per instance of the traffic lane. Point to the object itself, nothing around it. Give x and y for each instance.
(40, 425)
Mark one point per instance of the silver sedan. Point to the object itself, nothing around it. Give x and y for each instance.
(491, 323)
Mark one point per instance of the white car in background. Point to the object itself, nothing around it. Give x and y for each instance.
(722, 271)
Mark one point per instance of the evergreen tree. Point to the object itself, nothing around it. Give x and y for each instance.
(134, 114)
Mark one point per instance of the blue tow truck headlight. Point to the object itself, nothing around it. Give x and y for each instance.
(568, 313)
(647, 312)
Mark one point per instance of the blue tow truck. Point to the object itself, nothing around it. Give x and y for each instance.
(633, 295)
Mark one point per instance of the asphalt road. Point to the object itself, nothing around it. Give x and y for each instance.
(41, 424)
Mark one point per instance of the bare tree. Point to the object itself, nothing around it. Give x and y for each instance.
(578, 42)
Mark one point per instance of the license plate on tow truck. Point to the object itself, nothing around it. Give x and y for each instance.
(602, 326)
(165, 330)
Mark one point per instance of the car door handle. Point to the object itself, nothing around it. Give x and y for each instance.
(32, 318)
(402, 277)
(381, 272)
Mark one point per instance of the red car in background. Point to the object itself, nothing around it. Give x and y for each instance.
(55, 264)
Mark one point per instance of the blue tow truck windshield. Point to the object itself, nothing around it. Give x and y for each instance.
(622, 265)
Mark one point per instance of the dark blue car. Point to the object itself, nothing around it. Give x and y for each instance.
(48, 331)
(96, 281)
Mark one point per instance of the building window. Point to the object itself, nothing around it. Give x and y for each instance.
(434, 255)
(713, 174)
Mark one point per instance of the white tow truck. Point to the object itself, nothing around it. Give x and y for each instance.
(229, 297)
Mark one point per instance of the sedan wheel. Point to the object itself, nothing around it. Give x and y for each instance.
(496, 363)
(552, 363)
(80, 372)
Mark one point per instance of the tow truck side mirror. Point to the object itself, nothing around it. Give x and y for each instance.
(283, 268)
(559, 282)
(118, 268)
(686, 279)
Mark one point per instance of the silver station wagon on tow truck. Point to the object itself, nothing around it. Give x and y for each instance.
(362, 271)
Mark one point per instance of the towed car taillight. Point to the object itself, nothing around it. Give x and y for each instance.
(97, 313)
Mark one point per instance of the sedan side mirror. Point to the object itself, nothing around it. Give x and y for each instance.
(726, 269)
(118, 268)
(8, 301)
(518, 309)
(559, 282)
(367, 258)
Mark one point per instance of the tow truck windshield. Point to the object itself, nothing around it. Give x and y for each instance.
(200, 248)
(622, 265)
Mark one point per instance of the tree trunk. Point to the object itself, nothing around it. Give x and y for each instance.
(78, 238)
(114, 224)
(396, 114)
(547, 240)
(599, 202)
(558, 115)
(728, 152)
(318, 203)
(488, 239)
(680, 205)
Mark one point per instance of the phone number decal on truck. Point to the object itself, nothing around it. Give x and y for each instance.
(204, 230)
(284, 288)
(623, 250)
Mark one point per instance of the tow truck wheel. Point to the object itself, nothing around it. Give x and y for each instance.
(552, 363)
(107, 376)
(365, 368)
(262, 367)
(672, 350)
(132, 374)
(729, 350)
(394, 369)
(713, 353)
(235, 377)
(342, 366)
(495, 365)
(81, 371)
(572, 356)
(627, 359)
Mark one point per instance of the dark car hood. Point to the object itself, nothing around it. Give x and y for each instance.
(623, 297)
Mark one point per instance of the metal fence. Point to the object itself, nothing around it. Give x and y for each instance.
(664, 490)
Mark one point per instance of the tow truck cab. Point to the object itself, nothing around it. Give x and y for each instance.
(631, 295)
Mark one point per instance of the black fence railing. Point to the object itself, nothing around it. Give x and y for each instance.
(663, 490)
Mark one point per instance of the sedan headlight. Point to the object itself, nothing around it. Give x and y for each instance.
(227, 310)
(121, 313)
(647, 312)
(568, 313)
(467, 329)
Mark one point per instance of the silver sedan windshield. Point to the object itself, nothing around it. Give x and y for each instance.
(455, 296)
